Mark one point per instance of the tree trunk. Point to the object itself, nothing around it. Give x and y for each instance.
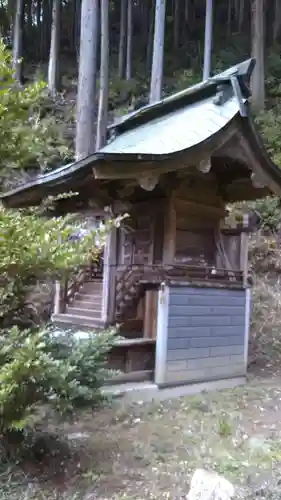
(78, 27)
(208, 40)
(158, 52)
(18, 41)
(229, 18)
(129, 40)
(186, 11)
(86, 95)
(53, 70)
(45, 31)
(241, 15)
(258, 88)
(150, 39)
(38, 14)
(38, 28)
(277, 21)
(29, 20)
(176, 24)
(122, 40)
(103, 92)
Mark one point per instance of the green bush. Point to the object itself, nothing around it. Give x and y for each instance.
(269, 125)
(34, 248)
(38, 368)
(35, 366)
(27, 140)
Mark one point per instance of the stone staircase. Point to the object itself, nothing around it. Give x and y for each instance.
(85, 308)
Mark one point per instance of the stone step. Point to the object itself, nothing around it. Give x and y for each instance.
(77, 311)
(71, 319)
(87, 304)
(89, 297)
(91, 286)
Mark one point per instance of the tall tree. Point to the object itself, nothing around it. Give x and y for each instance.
(241, 15)
(277, 21)
(53, 70)
(258, 41)
(104, 65)
(18, 40)
(129, 40)
(149, 46)
(122, 39)
(177, 14)
(158, 52)
(208, 39)
(86, 96)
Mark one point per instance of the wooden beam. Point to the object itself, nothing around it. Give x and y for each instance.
(191, 206)
(240, 191)
(169, 233)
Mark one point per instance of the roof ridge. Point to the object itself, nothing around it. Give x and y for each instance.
(242, 71)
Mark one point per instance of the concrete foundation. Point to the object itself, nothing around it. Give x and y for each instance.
(148, 392)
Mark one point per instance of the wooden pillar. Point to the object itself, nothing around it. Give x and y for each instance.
(57, 297)
(244, 250)
(170, 229)
(150, 317)
(109, 275)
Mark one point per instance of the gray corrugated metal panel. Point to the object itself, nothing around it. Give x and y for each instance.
(206, 291)
(186, 354)
(208, 341)
(194, 321)
(237, 320)
(195, 355)
(176, 131)
(215, 310)
(203, 340)
(206, 300)
(177, 330)
(193, 364)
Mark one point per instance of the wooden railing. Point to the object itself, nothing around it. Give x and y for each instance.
(75, 280)
(132, 279)
(127, 288)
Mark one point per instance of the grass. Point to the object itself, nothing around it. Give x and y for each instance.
(149, 451)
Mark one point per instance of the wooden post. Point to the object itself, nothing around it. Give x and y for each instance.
(244, 249)
(57, 297)
(162, 335)
(170, 234)
(109, 275)
(150, 317)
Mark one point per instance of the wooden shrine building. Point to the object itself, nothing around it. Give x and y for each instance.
(174, 275)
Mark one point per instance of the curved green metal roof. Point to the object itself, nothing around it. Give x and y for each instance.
(183, 122)
(176, 131)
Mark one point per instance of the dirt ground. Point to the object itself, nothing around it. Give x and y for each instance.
(149, 451)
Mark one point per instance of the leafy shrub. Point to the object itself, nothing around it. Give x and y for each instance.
(265, 340)
(265, 258)
(26, 139)
(269, 210)
(35, 366)
(38, 368)
(269, 123)
(30, 251)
